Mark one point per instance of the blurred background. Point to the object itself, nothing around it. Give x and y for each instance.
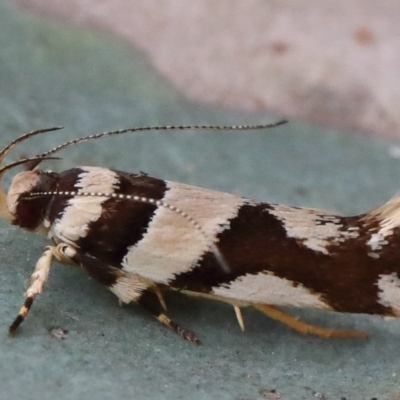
(332, 68)
(334, 62)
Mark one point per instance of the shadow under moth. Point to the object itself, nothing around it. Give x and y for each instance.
(141, 236)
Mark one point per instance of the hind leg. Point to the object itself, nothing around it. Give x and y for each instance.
(305, 328)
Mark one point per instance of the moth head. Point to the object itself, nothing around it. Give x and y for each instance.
(22, 182)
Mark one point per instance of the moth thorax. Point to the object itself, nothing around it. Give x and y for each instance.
(29, 212)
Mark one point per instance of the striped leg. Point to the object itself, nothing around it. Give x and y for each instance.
(148, 301)
(304, 328)
(35, 286)
(128, 288)
(186, 334)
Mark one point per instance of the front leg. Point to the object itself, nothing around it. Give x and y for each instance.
(37, 282)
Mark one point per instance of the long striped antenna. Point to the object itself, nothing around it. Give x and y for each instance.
(163, 128)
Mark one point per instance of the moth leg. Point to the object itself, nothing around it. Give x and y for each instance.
(239, 317)
(160, 297)
(305, 328)
(128, 288)
(146, 301)
(186, 334)
(35, 286)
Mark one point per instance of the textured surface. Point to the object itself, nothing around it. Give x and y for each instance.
(51, 75)
(335, 61)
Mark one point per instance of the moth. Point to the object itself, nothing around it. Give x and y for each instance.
(141, 236)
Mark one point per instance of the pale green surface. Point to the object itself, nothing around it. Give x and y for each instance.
(51, 75)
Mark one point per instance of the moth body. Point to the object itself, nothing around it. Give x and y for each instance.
(140, 236)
